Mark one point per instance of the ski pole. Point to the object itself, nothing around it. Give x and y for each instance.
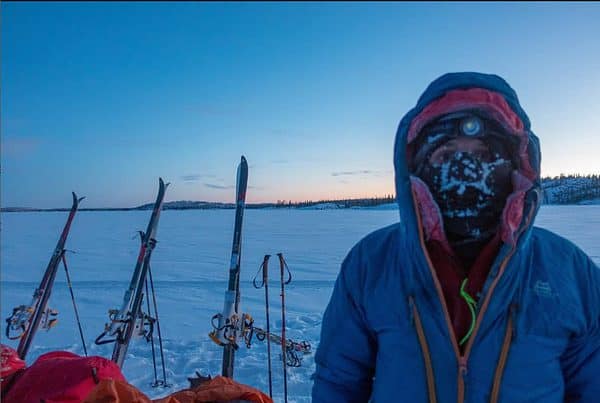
(151, 335)
(265, 281)
(160, 340)
(64, 261)
(282, 267)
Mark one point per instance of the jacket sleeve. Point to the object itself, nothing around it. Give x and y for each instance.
(345, 358)
(581, 360)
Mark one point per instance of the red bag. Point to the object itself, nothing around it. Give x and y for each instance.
(11, 364)
(61, 376)
(219, 389)
(10, 361)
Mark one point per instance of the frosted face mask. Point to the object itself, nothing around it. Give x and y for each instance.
(470, 193)
(468, 171)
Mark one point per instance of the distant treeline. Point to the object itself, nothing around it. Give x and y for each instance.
(562, 189)
(339, 203)
(571, 189)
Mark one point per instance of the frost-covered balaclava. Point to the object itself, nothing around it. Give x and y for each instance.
(469, 184)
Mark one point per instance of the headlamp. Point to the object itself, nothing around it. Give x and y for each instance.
(471, 126)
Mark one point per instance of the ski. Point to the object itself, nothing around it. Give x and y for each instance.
(227, 331)
(26, 320)
(125, 321)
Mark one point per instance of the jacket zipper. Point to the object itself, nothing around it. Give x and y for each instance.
(425, 350)
(508, 335)
(463, 359)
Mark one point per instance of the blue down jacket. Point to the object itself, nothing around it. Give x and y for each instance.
(386, 334)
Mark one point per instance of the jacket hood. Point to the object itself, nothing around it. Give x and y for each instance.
(454, 92)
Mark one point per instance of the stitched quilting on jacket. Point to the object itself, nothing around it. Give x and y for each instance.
(386, 334)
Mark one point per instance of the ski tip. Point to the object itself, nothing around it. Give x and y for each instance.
(76, 200)
(243, 160)
(162, 183)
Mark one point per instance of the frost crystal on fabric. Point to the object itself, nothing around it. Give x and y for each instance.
(470, 192)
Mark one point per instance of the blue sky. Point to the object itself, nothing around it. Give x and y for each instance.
(103, 98)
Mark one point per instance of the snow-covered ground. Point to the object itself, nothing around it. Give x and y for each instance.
(190, 266)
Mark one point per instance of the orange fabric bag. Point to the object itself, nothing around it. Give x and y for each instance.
(217, 389)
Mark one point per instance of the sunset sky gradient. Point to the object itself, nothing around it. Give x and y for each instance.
(103, 98)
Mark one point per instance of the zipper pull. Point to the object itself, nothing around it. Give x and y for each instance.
(472, 305)
(462, 367)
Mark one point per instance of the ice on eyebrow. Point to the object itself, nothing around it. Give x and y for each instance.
(432, 138)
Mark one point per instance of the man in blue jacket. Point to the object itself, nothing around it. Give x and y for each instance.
(463, 300)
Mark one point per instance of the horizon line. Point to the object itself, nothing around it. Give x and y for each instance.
(279, 201)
